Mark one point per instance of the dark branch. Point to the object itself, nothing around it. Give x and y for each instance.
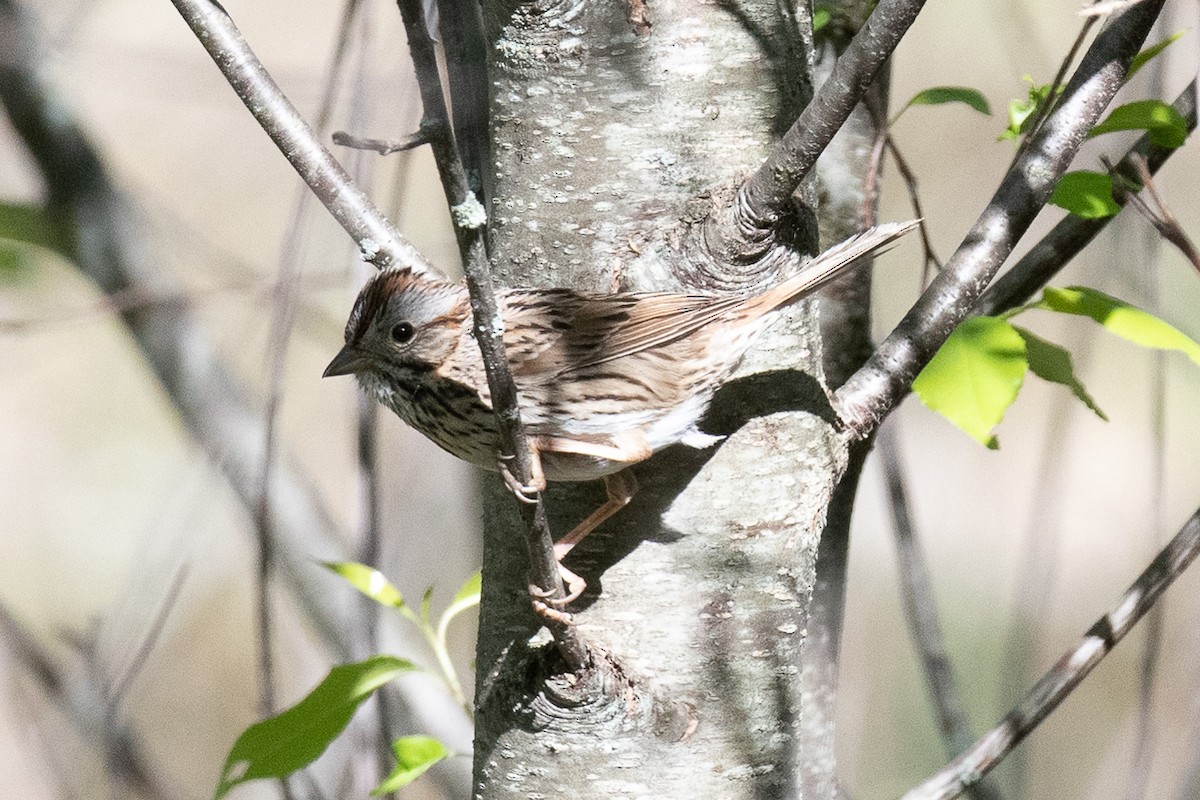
(1068, 673)
(470, 220)
(378, 240)
(1066, 239)
(876, 388)
(921, 612)
(767, 195)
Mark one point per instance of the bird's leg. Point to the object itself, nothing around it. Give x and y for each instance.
(620, 488)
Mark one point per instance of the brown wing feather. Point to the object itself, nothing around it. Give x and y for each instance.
(596, 329)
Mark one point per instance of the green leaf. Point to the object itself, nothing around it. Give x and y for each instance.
(1053, 363)
(1021, 111)
(1144, 57)
(1120, 318)
(369, 581)
(414, 755)
(426, 602)
(1166, 126)
(975, 376)
(277, 747)
(821, 17)
(28, 224)
(1086, 194)
(467, 597)
(938, 95)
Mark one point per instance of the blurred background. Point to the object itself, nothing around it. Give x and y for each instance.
(127, 559)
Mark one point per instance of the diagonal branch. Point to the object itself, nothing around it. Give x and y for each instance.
(379, 241)
(1069, 672)
(470, 221)
(885, 379)
(921, 612)
(767, 195)
(1072, 234)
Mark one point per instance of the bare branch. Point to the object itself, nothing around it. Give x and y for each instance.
(94, 216)
(1072, 234)
(1156, 211)
(470, 220)
(921, 612)
(379, 241)
(876, 388)
(382, 146)
(1068, 673)
(766, 196)
(84, 704)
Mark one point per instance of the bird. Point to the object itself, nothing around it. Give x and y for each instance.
(604, 380)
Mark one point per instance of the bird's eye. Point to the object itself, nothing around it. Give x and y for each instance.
(402, 332)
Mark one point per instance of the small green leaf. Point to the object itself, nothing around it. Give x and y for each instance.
(414, 755)
(821, 17)
(1053, 363)
(975, 376)
(938, 95)
(369, 581)
(470, 590)
(1086, 194)
(29, 224)
(277, 747)
(1144, 57)
(467, 597)
(1166, 126)
(426, 601)
(1120, 318)
(1021, 111)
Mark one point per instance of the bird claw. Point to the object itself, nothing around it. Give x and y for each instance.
(525, 492)
(552, 615)
(547, 606)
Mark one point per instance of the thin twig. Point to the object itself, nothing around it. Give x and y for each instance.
(279, 331)
(83, 702)
(470, 220)
(885, 379)
(1068, 672)
(379, 241)
(766, 195)
(914, 198)
(1159, 214)
(1043, 110)
(1072, 234)
(921, 613)
(120, 687)
(382, 146)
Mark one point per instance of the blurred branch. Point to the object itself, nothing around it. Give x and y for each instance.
(876, 388)
(470, 225)
(1069, 672)
(921, 612)
(379, 241)
(1156, 211)
(84, 703)
(216, 408)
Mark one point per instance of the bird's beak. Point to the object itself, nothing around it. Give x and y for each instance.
(348, 361)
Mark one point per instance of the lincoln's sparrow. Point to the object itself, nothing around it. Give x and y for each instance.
(604, 380)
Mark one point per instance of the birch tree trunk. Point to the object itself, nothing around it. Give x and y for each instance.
(615, 128)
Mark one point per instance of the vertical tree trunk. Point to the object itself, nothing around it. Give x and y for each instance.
(612, 139)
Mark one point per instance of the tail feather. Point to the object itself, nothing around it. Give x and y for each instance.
(833, 262)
